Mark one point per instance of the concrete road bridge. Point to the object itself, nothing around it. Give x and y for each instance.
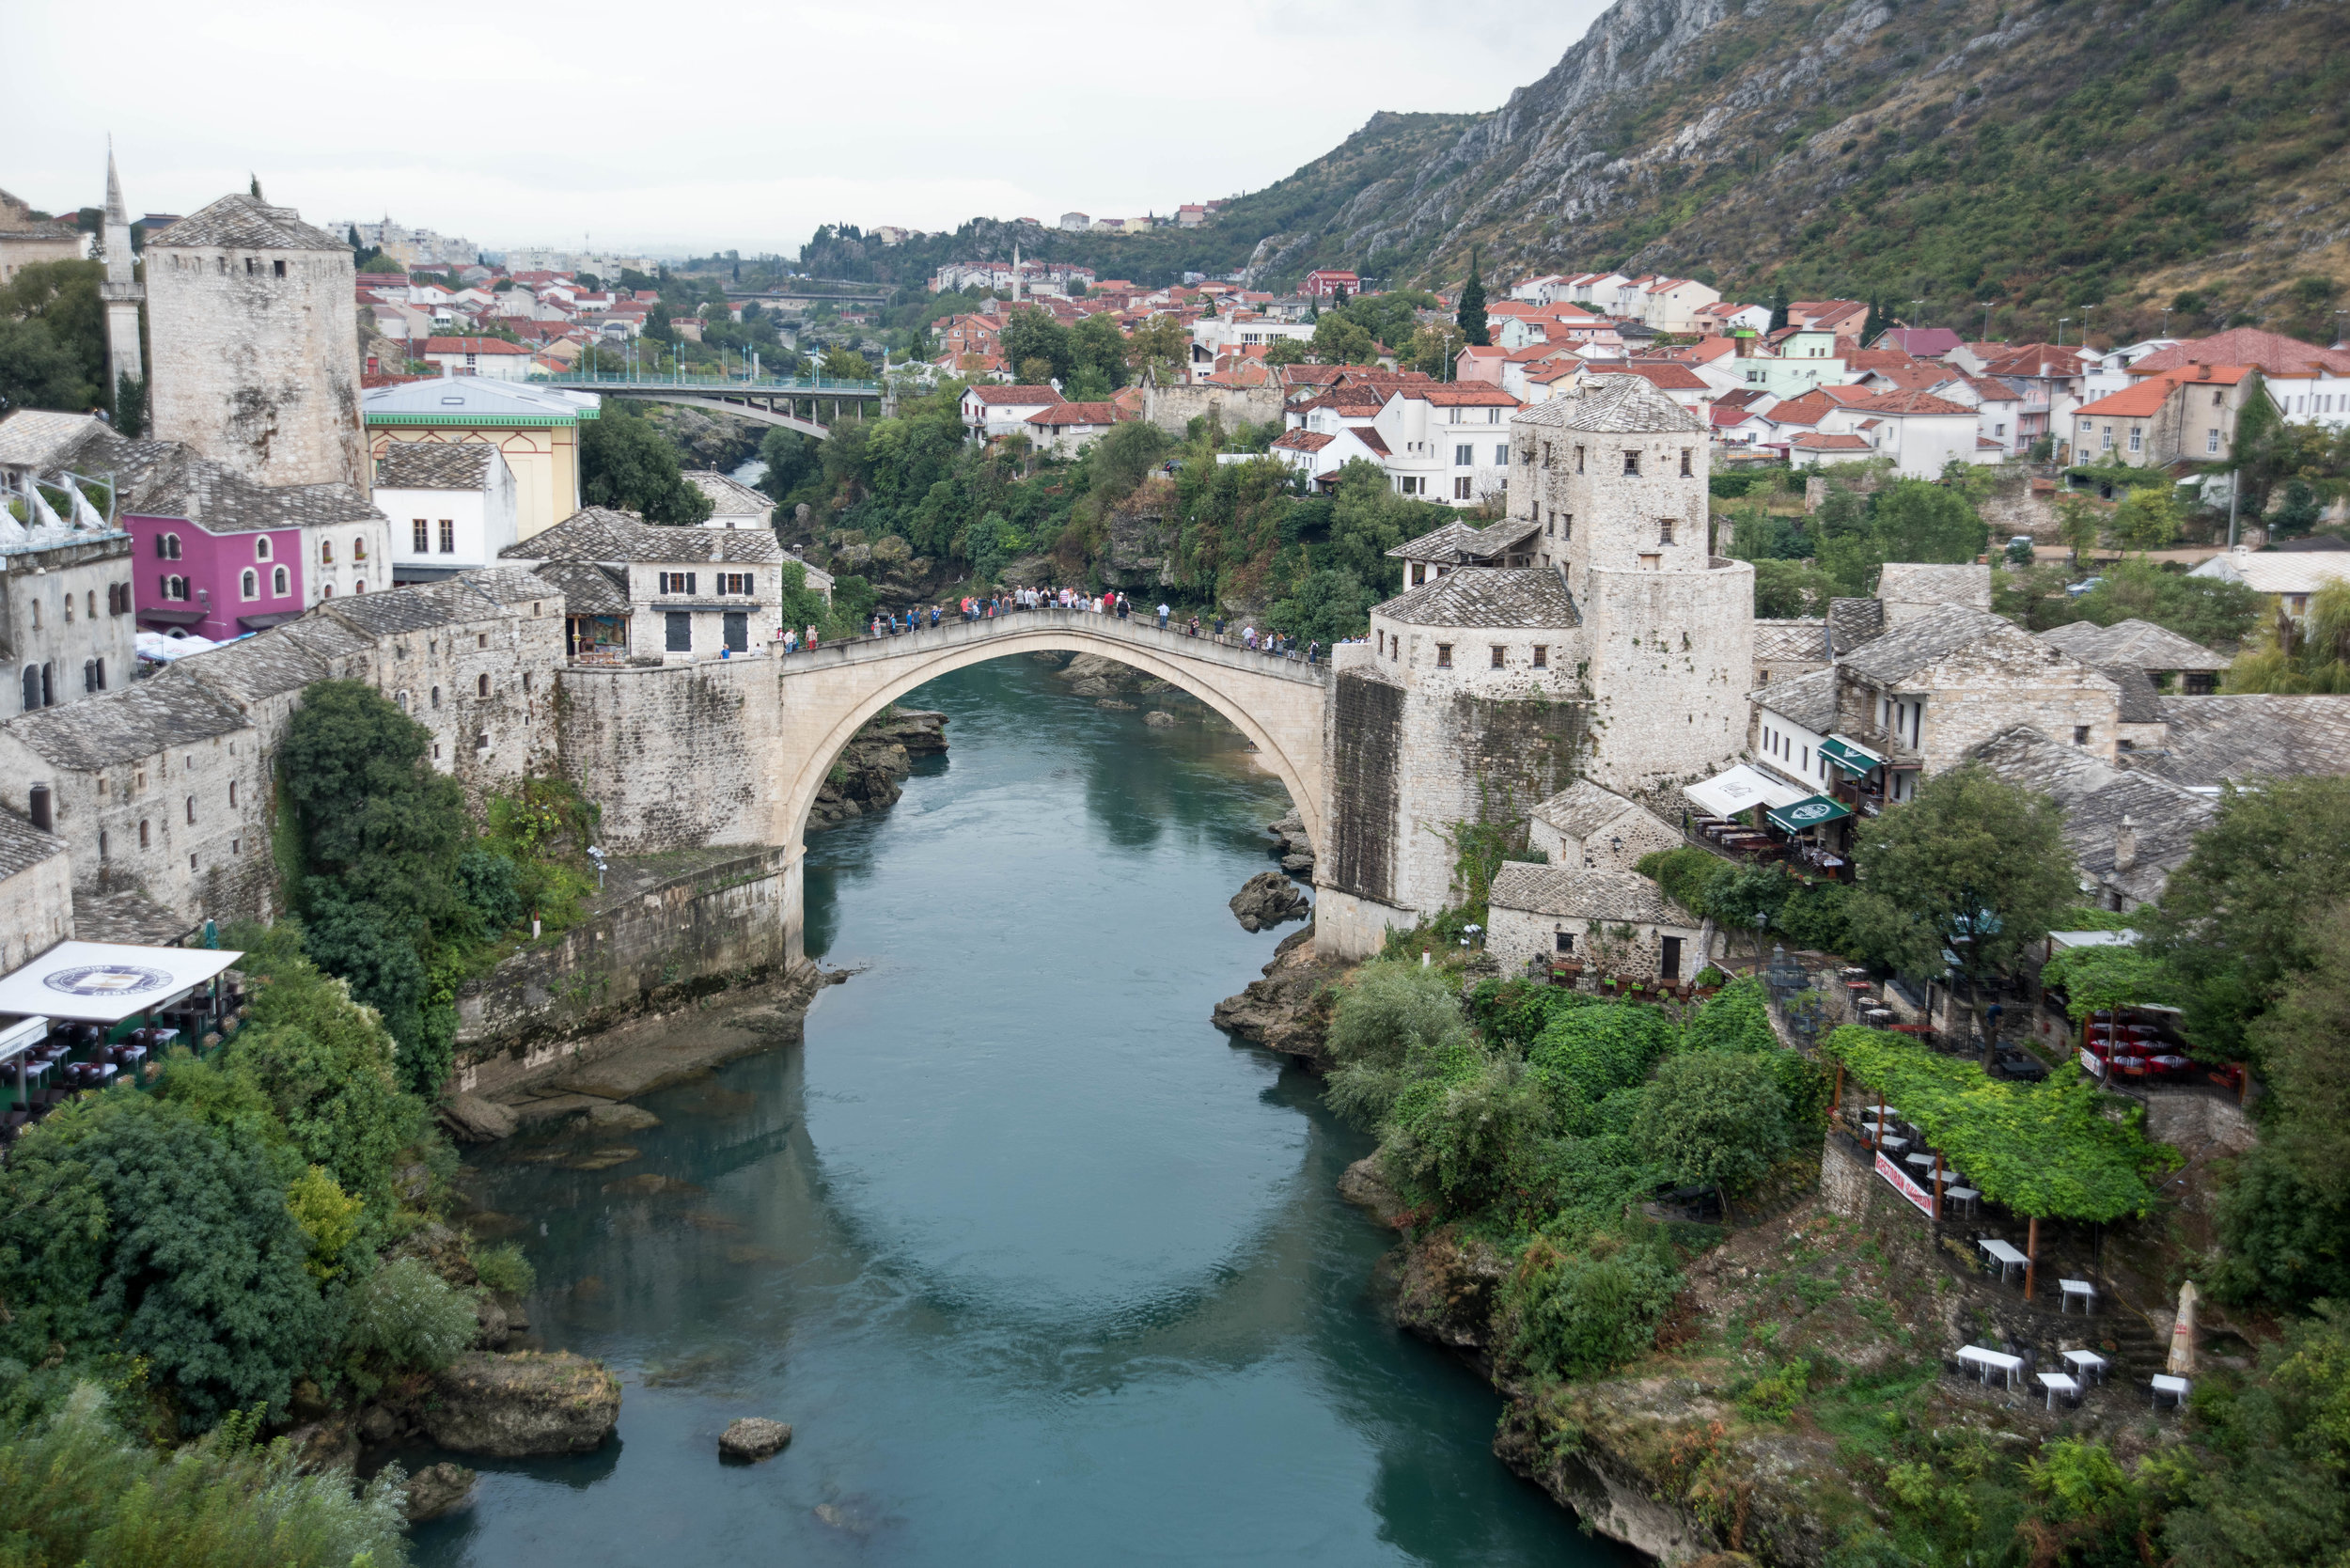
(763, 399)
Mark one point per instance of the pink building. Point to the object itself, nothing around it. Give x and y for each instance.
(217, 555)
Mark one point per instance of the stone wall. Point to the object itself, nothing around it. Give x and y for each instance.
(1367, 746)
(679, 758)
(1172, 408)
(1670, 655)
(667, 927)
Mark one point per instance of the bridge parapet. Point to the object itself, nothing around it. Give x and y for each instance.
(1141, 634)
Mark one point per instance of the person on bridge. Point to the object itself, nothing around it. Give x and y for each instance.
(1194, 626)
(811, 640)
(1313, 652)
(1164, 613)
(1125, 609)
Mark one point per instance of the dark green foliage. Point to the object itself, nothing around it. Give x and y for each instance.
(1324, 607)
(1510, 1013)
(625, 464)
(1715, 1118)
(1908, 520)
(791, 461)
(76, 1492)
(1576, 1310)
(129, 1218)
(2243, 916)
(1393, 1022)
(1471, 316)
(53, 348)
(374, 814)
(1468, 1131)
(1684, 874)
(2209, 610)
(486, 885)
(1586, 1053)
(1814, 918)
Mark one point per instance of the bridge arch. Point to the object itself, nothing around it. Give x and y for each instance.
(829, 695)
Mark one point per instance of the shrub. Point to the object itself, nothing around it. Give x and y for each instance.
(1392, 1017)
(505, 1270)
(1774, 1395)
(404, 1315)
(1572, 1312)
(74, 1490)
(1468, 1134)
(1510, 1013)
(1684, 874)
(1587, 1052)
(329, 1216)
(1715, 1118)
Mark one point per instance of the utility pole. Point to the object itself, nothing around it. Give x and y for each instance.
(1986, 318)
(2061, 323)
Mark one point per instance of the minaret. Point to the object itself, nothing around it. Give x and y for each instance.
(122, 290)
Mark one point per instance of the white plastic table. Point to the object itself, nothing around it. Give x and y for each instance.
(1961, 1195)
(2071, 1288)
(1895, 1144)
(2003, 1255)
(2087, 1363)
(2059, 1382)
(1991, 1361)
(2177, 1387)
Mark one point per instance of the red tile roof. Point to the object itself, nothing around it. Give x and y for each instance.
(2271, 351)
(1077, 413)
(2037, 360)
(1665, 376)
(2151, 392)
(1909, 402)
(472, 345)
(1014, 394)
(1373, 440)
(1303, 441)
(1819, 441)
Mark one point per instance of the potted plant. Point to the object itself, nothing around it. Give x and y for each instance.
(1565, 971)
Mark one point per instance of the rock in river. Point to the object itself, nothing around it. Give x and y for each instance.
(1268, 898)
(438, 1489)
(474, 1120)
(526, 1403)
(753, 1438)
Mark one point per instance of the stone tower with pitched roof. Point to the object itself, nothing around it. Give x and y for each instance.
(253, 328)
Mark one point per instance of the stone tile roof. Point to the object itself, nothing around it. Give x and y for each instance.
(274, 662)
(1808, 700)
(1789, 640)
(222, 501)
(247, 223)
(1532, 597)
(1921, 583)
(588, 588)
(2212, 739)
(1586, 893)
(1584, 809)
(600, 534)
(1614, 405)
(728, 497)
(2279, 571)
(2164, 816)
(503, 587)
(38, 438)
(1915, 644)
(2141, 644)
(435, 465)
(1499, 538)
(1851, 622)
(139, 720)
(128, 915)
(2141, 702)
(1442, 544)
(22, 846)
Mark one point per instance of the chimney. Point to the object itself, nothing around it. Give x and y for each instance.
(2125, 844)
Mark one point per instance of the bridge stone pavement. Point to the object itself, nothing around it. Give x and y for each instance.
(734, 751)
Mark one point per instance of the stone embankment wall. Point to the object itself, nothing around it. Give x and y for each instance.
(677, 759)
(1171, 408)
(666, 928)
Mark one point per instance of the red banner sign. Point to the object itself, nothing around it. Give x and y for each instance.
(1905, 1185)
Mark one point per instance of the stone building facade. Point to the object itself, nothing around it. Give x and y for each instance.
(253, 335)
(1586, 825)
(1612, 922)
(36, 891)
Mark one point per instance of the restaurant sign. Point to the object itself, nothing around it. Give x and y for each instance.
(1905, 1184)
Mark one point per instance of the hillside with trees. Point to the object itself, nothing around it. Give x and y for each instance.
(2182, 161)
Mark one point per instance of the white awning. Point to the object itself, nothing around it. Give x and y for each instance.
(104, 983)
(1742, 788)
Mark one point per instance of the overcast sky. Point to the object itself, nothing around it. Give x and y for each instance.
(670, 129)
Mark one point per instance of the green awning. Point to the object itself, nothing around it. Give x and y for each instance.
(1853, 758)
(1811, 811)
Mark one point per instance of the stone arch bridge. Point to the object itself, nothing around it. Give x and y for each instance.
(735, 751)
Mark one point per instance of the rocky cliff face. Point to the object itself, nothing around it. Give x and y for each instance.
(866, 776)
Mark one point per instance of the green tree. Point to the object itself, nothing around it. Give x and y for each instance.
(1339, 341)
(1390, 1024)
(1718, 1120)
(1472, 312)
(1325, 606)
(791, 461)
(1973, 866)
(1436, 351)
(2240, 919)
(1031, 334)
(2300, 656)
(1789, 590)
(1098, 350)
(1160, 347)
(843, 364)
(1390, 318)
(2147, 519)
(1286, 351)
(52, 346)
(1778, 306)
(626, 463)
(128, 1219)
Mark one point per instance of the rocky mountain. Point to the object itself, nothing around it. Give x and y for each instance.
(2054, 157)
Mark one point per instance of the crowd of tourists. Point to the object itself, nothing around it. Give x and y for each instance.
(992, 606)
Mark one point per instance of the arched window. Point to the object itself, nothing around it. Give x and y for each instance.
(359, 587)
(190, 808)
(249, 584)
(359, 547)
(143, 841)
(173, 540)
(104, 844)
(436, 697)
(260, 547)
(402, 700)
(163, 547)
(327, 592)
(481, 685)
(327, 551)
(279, 583)
(232, 795)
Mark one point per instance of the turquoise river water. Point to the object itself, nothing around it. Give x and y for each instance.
(1041, 1267)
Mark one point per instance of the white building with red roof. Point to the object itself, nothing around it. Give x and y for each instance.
(491, 357)
(1446, 442)
(991, 412)
(1920, 432)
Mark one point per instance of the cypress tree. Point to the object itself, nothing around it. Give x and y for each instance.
(1778, 306)
(1874, 325)
(1472, 312)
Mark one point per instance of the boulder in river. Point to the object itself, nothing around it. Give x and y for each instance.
(1268, 898)
(753, 1438)
(473, 1120)
(526, 1403)
(620, 1118)
(1157, 719)
(438, 1489)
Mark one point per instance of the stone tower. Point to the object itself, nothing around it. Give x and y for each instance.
(120, 291)
(1616, 477)
(253, 325)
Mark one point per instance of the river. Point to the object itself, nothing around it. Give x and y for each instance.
(1042, 1269)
